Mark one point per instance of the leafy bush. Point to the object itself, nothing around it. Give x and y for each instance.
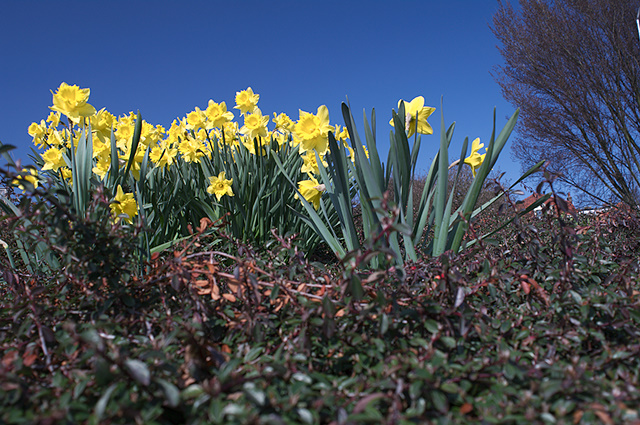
(217, 332)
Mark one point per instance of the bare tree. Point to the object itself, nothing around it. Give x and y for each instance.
(573, 67)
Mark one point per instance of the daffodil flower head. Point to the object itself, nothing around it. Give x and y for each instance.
(220, 186)
(196, 119)
(54, 119)
(163, 155)
(312, 130)
(38, 132)
(101, 147)
(56, 138)
(53, 159)
(31, 177)
(102, 123)
(192, 149)
(103, 164)
(72, 102)
(475, 159)
(416, 115)
(124, 206)
(246, 100)
(310, 164)
(341, 134)
(217, 114)
(67, 174)
(255, 125)
(311, 190)
(283, 122)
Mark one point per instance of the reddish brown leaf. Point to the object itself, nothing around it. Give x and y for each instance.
(29, 359)
(577, 416)
(9, 358)
(362, 404)
(229, 297)
(466, 408)
(604, 417)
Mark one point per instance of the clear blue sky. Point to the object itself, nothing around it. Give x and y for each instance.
(165, 58)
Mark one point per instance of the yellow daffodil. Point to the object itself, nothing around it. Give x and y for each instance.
(32, 178)
(101, 147)
(124, 205)
(196, 119)
(246, 100)
(102, 165)
(150, 134)
(101, 124)
(230, 130)
(310, 165)
(341, 134)
(312, 130)
(192, 149)
(56, 138)
(53, 119)
(282, 122)
(220, 186)
(38, 132)
(53, 159)
(217, 114)
(416, 116)
(176, 132)
(72, 102)
(124, 132)
(163, 155)
(475, 159)
(311, 190)
(255, 125)
(67, 174)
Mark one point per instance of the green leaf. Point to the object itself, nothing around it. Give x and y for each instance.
(138, 370)
(101, 405)
(384, 324)
(171, 392)
(254, 394)
(439, 242)
(440, 401)
(192, 391)
(4, 151)
(134, 143)
(305, 415)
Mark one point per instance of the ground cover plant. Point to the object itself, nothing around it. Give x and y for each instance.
(106, 319)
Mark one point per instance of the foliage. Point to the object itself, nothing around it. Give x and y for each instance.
(571, 67)
(539, 326)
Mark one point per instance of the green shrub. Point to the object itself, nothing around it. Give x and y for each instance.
(517, 332)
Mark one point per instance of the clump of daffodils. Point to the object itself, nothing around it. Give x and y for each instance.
(191, 138)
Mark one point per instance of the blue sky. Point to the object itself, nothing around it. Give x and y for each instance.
(165, 58)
